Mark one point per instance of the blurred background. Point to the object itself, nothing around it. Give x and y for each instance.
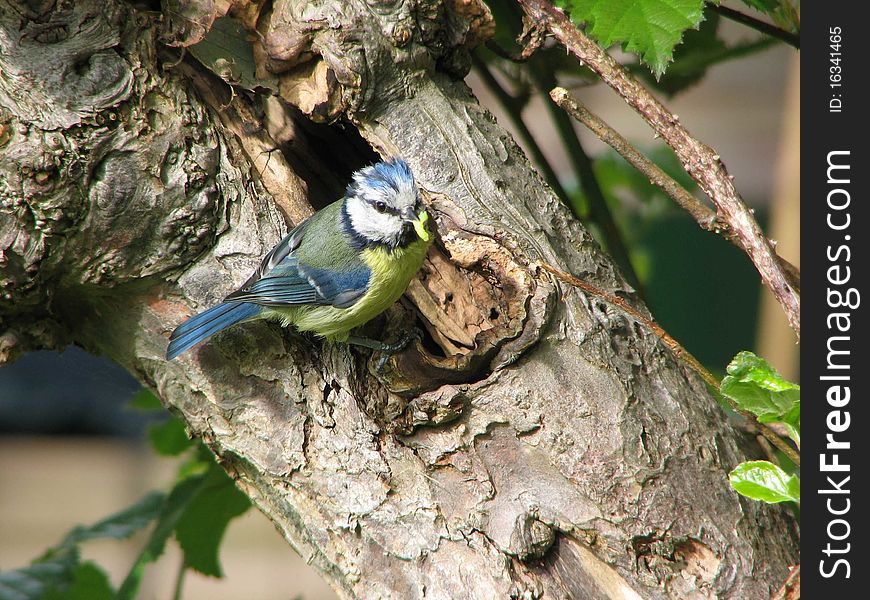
(72, 452)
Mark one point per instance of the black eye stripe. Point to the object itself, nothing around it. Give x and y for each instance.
(387, 208)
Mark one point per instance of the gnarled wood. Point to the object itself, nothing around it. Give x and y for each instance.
(558, 450)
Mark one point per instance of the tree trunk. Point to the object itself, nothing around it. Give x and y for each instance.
(539, 443)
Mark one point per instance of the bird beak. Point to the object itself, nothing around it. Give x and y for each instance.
(420, 226)
(419, 223)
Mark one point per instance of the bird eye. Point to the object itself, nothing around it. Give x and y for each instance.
(380, 206)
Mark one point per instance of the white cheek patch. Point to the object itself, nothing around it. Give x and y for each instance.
(372, 225)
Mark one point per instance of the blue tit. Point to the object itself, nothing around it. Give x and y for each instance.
(336, 270)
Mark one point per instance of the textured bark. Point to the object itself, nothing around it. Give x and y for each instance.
(540, 444)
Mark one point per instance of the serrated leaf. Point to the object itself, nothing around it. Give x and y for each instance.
(785, 14)
(765, 6)
(169, 438)
(763, 480)
(700, 49)
(204, 522)
(170, 512)
(649, 28)
(89, 582)
(756, 387)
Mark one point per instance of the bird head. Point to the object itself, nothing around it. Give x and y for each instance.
(382, 207)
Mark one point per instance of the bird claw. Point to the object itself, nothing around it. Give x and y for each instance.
(389, 350)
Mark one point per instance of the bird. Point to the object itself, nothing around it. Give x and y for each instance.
(336, 270)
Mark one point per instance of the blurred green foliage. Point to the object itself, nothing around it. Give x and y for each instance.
(195, 511)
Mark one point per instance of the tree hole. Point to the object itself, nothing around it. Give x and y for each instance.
(323, 155)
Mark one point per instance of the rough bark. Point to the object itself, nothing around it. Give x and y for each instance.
(540, 444)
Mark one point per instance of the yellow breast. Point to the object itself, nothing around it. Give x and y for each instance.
(391, 272)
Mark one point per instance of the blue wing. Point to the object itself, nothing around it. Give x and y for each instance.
(280, 280)
(292, 283)
(284, 280)
(207, 323)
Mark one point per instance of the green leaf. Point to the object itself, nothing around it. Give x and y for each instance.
(122, 524)
(765, 6)
(700, 50)
(53, 571)
(204, 522)
(794, 433)
(625, 184)
(145, 400)
(755, 386)
(784, 13)
(762, 480)
(649, 28)
(89, 582)
(169, 438)
(170, 513)
(792, 422)
(59, 568)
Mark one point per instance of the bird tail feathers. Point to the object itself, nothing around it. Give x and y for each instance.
(207, 323)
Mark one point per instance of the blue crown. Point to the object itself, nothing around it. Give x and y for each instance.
(393, 174)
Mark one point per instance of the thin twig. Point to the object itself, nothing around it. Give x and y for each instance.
(788, 37)
(599, 211)
(696, 63)
(700, 162)
(767, 449)
(791, 589)
(771, 436)
(530, 39)
(179, 580)
(703, 215)
(679, 352)
(675, 347)
(496, 49)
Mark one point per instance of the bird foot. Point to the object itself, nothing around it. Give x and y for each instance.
(386, 350)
